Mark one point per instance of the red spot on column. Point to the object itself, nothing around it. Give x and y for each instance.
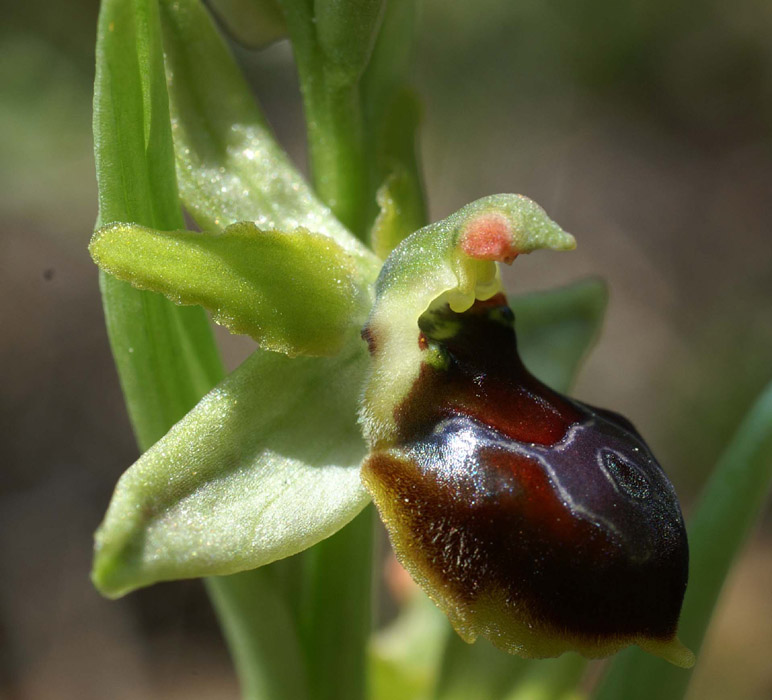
(489, 237)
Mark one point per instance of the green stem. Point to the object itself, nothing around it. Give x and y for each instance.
(334, 122)
(335, 135)
(335, 598)
(270, 665)
(336, 611)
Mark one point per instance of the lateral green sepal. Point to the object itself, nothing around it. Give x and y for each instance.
(295, 293)
(266, 465)
(229, 166)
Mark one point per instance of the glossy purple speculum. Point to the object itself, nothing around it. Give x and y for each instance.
(532, 519)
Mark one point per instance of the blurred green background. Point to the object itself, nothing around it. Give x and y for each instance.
(642, 126)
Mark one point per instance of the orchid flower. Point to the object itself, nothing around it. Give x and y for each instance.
(387, 371)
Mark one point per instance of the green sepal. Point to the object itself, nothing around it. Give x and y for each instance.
(253, 23)
(296, 293)
(229, 166)
(266, 465)
(452, 261)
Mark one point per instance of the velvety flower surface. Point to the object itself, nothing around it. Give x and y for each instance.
(532, 519)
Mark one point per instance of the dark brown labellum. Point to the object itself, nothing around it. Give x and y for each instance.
(532, 519)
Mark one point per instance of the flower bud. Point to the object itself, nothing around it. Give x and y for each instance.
(530, 518)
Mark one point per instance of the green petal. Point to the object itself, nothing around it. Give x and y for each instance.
(557, 328)
(401, 211)
(266, 465)
(296, 293)
(229, 166)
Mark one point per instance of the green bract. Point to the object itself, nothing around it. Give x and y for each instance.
(346, 31)
(557, 328)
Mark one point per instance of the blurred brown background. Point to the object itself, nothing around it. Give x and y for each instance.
(642, 127)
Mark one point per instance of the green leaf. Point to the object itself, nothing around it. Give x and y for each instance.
(557, 328)
(728, 508)
(555, 332)
(296, 293)
(229, 166)
(132, 135)
(166, 357)
(266, 465)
